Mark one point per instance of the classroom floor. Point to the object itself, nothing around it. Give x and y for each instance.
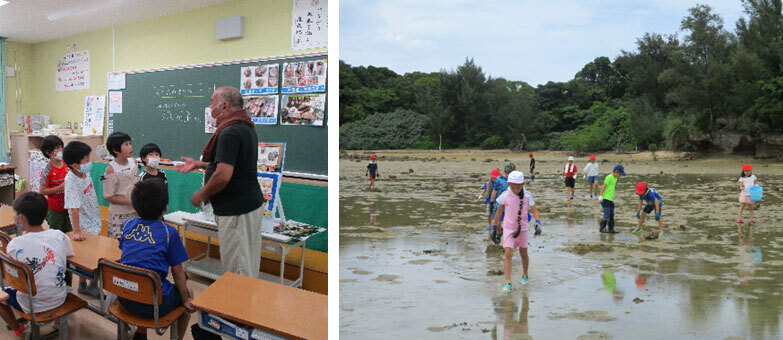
(86, 324)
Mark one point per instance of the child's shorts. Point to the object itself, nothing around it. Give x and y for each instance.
(12, 298)
(115, 223)
(592, 179)
(170, 302)
(59, 220)
(651, 208)
(509, 241)
(490, 209)
(569, 182)
(745, 199)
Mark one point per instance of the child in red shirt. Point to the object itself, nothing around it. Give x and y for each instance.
(53, 184)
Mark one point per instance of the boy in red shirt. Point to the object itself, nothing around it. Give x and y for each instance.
(53, 184)
(570, 171)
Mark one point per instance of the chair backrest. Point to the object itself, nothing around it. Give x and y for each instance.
(131, 283)
(4, 239)
(18, 274)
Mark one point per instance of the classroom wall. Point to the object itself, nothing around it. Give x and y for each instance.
(172, 40)
(24, 58)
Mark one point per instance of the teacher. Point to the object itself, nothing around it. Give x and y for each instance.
(231, 187)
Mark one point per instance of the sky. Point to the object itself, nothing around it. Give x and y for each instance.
(531, 41)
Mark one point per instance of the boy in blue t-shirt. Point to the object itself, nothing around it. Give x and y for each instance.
(653, 201)
(149, 243)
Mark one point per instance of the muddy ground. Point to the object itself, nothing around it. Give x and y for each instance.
(415, 261)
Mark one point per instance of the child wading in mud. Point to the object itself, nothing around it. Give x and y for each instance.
(372, 170)
(591, 173)
(653, 202)
(491, 189)
(514, 204)
(747, 180)
(607, 199)
(532, 168)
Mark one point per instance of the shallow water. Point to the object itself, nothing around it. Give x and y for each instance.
(413, 262)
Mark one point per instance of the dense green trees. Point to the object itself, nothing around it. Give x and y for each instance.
(681, 92)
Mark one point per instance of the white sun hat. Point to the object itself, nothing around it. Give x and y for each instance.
(570, 158)
(516, 177)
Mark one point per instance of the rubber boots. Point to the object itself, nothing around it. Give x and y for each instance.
(603, 226)
(611, 228)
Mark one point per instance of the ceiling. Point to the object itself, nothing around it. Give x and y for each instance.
(34, 21)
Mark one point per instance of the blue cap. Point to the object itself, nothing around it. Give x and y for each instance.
(619, 168)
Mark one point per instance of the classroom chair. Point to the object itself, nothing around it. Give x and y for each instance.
(140, 285)
(4, 240)
(20, 276)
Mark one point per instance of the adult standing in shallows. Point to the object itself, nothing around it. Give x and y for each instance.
(231, 187)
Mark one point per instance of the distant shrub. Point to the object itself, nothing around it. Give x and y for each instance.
(426, 143)
(401, 129)
(493, 142)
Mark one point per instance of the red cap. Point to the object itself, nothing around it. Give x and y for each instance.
(530, 155)
(641, 188)
(592, 157)
(372, 157)
(495, 173)
(746, 167)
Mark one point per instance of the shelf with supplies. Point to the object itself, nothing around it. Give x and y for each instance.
(7, 185)
(22, 144)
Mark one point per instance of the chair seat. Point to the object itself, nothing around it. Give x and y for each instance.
(121, 313)
(71, 304)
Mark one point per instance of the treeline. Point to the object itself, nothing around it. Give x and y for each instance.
(672, 92)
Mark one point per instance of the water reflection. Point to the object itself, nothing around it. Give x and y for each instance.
(515, 325)
(373, 215)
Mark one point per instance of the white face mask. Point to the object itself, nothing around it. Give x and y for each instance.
(210, 120)
(59, 155)
(85, 168)
(153, 162)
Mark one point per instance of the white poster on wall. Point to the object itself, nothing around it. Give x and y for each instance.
(115, 81)
(73, 71)
(94, 110)
(115, 101)
(309, 27)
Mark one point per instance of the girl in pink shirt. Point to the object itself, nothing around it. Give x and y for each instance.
(514, 204)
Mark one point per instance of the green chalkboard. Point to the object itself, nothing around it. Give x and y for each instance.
(166, 107)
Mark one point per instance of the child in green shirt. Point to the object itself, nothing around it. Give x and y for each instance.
(607, 199)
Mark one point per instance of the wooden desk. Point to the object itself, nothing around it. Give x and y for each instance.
(88, 252)
(84, 263)
(7, 220)
(267, 307)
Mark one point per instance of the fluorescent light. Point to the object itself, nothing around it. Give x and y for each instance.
(3, 2)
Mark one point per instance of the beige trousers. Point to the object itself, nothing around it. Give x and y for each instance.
(240, 242)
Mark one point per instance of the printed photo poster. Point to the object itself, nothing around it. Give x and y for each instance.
(270, 188)
(306, 109)
(304, 76)
(259, 79)
(94, 110)
(73, 72)
(309, 24)
(271, 157)
(208, 127)
(262, 109)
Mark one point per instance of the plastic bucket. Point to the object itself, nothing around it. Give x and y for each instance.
(755, 193)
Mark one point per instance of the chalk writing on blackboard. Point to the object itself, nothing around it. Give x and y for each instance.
(176, 103)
